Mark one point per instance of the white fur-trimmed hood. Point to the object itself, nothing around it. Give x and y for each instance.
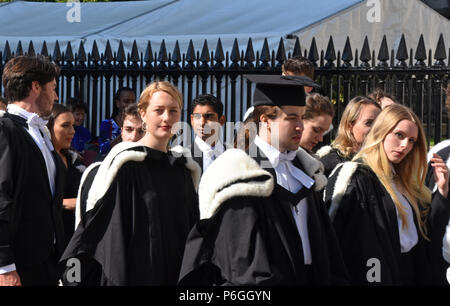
(313, 167)
(119, 155)
(324, 151)
(342, 181)
(221, 181)
(446, 244)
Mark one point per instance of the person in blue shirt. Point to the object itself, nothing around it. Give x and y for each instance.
(82, 135)
(110, 128)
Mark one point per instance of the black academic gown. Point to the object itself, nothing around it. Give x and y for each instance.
(136, 232)
(74, 171)
(31, 228)
(197, 155)
(331, 160)
(255, 241)
(366, 225)
(440, 266)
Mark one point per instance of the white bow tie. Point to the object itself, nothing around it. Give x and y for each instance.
(286, 157)
(36, 121)
(298, 174)
(41, 124)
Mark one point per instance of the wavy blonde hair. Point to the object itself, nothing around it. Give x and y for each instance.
(345, 141)
(409, 173)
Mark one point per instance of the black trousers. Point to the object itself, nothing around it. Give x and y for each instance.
(45, 274)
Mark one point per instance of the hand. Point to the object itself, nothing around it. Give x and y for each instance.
(70, 204)
(10, 279)
(440, 172)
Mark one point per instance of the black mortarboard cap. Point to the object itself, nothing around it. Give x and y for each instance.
(279, 90)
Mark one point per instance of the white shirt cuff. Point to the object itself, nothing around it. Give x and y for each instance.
(8, 268)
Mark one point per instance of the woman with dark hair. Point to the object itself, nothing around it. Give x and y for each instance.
(61, 126)
(136, 208)
(383, 213)
(110, 128)
(317, 119)
(355, 124)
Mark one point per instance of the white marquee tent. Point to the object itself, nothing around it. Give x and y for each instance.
(200, 20)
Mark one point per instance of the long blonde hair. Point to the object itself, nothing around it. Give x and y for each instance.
(409, 173)
(345, 141)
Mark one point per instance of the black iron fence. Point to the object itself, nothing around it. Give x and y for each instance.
(415, 77)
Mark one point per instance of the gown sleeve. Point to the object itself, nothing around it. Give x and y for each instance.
(6, 198)
(355, 220)
(436, 222)
(228, 249)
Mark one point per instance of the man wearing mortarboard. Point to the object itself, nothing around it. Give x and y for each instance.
(262, 223)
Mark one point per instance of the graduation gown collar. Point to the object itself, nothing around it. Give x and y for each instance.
(232, 174)
(130, 151)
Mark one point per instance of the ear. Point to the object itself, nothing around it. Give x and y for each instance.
(222, 120)
(192, 120)
(35, 86)
(263, 118)
(142, 113)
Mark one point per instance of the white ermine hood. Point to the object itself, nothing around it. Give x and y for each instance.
(232, 174)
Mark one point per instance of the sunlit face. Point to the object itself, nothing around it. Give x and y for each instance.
(132, 129)
(313, 131)
(161, 114)
(47, 96)
(79, 116)
(287, 128)
(364, 122)
(206, 122)
(63, 131)
(400, 141)
(385, 101)
(126, 98)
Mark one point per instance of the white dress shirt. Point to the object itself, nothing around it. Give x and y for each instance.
(210, 153)
(292, 179)
(42, 138)
(408, 235)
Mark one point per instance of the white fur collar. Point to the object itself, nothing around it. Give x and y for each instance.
(2, 113)
(220, 181)
(440, 146)
(313, 167)
(83, 178)
(446, 244)
(341, 184)
(324, 151)
(119, 155)
(437, 148)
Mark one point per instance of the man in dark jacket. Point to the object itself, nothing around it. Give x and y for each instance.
(31, 177)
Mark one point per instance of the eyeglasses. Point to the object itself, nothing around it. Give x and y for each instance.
(207, 116)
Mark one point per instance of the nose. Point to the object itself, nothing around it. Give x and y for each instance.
(320, 137)
(134, 136)
(202, 120)
(404, 143)
(300, 126)
(165, 115)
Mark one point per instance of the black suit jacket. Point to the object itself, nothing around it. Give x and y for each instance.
(30, 217)
(197, 154)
